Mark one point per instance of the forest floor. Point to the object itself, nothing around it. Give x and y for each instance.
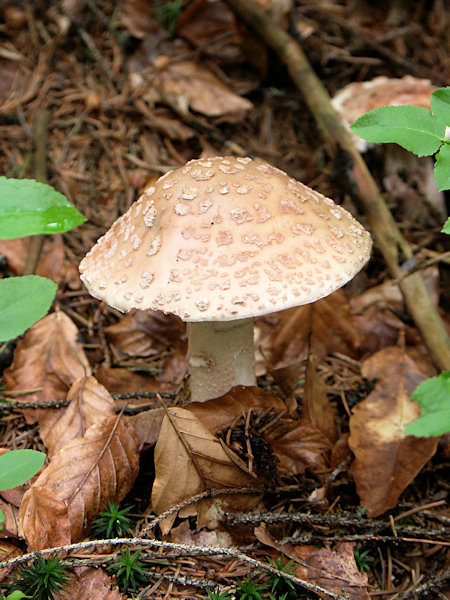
(110, 96)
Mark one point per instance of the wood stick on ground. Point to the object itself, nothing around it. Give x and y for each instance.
(388, 237)
(40, 172)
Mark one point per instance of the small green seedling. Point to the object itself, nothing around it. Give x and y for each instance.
(43, 578)
(422, 132)
(169, 13)
(248, 590)
(16, 595)
(112, 522)
(129, 570)
(362, 560)
(279, 584)
(218, 595)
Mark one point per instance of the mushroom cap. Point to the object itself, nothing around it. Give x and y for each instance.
(355, 99)
(225, 238)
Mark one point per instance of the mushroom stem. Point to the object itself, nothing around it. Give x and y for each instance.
(220, 356)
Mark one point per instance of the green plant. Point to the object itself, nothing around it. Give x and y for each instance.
(279, 584)
(16, 467)
(112, 522)
(43, 578)
(129, 570)
(362, 560)
(217, 595)
(422, 132)
(168, 13)
(248, 590)
(16, 595)
(28, 207)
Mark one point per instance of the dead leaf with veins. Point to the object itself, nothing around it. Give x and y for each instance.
(48, 357)
(79, 482)
(189, 459)
(387, 460)
(91, 584)
(90, 403)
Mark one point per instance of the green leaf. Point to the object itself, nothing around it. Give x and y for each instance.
(446, 228)
(16, 595)
(440, 104)
(433, 395)
(414, 128)
(28, 207)
(18, 466)
(442, 168)
(23, 301)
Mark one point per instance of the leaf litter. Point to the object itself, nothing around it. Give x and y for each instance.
(320, 435)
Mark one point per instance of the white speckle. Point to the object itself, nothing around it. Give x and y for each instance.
(147, 278)
(288, 205)
(136, 241)
(263, 212)
(150, 216)
(112, 249)
(122, 279)
(122, 254)
(200, 175)
(154, 246)
(150, 191)
(336, 212)
(128, 263)
(244, 189)
(240, 215)
(203, 206)
(224, 190)
(338, 233)
(189, 193)
(181, 209)
(225, 168)
(138, 299)
(224, 238)
(184, 254)
(202, 304)
(305, 228)
(168, 184)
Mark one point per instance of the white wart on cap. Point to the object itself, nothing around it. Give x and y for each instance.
(222, 239)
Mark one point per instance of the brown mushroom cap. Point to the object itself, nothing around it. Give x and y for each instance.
(225, 238)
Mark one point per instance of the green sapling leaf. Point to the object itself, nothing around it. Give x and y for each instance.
(18, 466)
(440, 104)
(446, 228)
(442, 168)
(412, 127)
(28, 207)
(433, 395)
(23, 301)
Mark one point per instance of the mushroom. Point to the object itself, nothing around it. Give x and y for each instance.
(218, 242)
(357, 98)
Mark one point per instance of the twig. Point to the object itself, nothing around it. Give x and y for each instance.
(187, 548)
(389, 238)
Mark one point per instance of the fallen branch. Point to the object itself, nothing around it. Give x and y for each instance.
(388, 237)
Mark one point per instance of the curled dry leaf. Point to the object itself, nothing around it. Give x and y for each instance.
(145, 333)
(48, 357)
(335, 570)
(283, 337)
(51, 258)
(189, 459)
(10, 526)
(79, 482)
(386, 460)
(91, 584)
(90, 403)
(316, 406)
(199, 89)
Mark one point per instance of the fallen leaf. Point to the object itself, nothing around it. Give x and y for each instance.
(218, 414)
(90, 403)
(189, 459)
(78, 483)
(199, 89)
(299, 446)
(335, 570)
(387, 460)
(136, 16)
(10, 526)
(146, 333)
(51, 257)
(316, 406)
(147, 425)
(91, 584)
(283, 337)
(48, 357)
(120, 381)
(7, 552)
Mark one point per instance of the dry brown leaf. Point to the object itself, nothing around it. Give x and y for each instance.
(51, 258)
(48, 357)
(91, 584)
(147, 426)
(78, 483)
(120, 381)
(185, 469)
(219, 413)
(145, 333)
(90, 403)
(386, 460)
(284, 336)
(199, 89)
(316, 406)
(335, 570)
(302, 446)
(7, 552)
(10, 526)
